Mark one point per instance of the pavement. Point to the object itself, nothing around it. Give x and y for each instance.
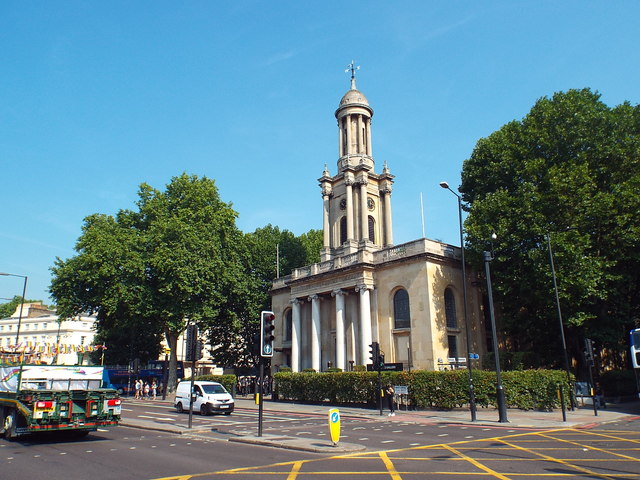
(582, 417)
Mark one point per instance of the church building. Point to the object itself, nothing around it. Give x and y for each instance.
(408, 297)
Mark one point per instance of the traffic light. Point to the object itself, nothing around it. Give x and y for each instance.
(374, 350)
(380, 362)
(199, 348)
(589, 351)
(192, 340)
(267, 337)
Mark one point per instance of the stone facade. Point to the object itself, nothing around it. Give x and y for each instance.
(408, 297)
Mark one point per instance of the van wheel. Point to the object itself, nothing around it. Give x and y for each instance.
(179, 407)
(204, 409)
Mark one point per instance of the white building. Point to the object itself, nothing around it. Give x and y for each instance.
(42, 335)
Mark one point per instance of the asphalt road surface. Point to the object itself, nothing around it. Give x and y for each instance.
(395, 450)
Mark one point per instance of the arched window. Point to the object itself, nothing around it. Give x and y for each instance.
(288, 326)
(343, 230)
(401, 312)
(372, 229)
(450, 308)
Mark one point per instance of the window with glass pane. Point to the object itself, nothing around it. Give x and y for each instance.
(401, 313)
(450, 309)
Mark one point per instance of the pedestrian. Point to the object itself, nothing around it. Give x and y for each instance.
(146, 390)
(138, 388)
(154, 390)
(390, 393)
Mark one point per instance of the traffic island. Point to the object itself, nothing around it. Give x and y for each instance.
(297, 443)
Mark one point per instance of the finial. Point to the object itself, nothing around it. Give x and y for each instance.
(326, 171)
(352, 68)
(385, 169)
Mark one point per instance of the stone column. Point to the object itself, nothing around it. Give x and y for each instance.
(364, 210)
(369, 137)
(295, 335)
(349, 184)
(326, 239)
(365, 323)
(359, 136)
(388, 229)
(315, 332)
(340, 330)
(340, 139)
(347, 123)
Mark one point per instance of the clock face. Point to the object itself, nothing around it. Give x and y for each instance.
(343, 204)
(371, 203)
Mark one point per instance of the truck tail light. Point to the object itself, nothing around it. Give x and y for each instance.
(114, 402)
(44, 404)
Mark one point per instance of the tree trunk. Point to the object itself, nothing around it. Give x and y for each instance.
(172, 340)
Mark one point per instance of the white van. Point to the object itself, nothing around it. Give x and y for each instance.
(208, 397)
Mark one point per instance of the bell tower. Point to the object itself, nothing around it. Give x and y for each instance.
(356, 201)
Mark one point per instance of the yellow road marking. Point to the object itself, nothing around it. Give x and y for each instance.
(592, 448)
(390, 467)
(557, 460)
(477, 464)
(294, 471)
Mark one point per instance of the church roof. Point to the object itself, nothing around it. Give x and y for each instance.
(354, 97)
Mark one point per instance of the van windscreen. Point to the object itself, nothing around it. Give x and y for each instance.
(213, 389)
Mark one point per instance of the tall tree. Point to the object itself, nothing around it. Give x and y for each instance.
(569, 169)
(177, 258)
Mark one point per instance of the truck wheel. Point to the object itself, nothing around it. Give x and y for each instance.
(179, 407)
(9, 424)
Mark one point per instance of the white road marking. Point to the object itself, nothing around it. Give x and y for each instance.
(388, 441)
(397, 431)
(443, 435)
(364, 438)
(414, 444)
(419, 433)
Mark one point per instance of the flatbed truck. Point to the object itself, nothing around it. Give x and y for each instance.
(49, 398)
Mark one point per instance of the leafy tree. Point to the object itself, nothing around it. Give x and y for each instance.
(178, 257)
(569, 169)
(9, 308)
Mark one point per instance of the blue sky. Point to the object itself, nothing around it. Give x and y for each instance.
(98, 97)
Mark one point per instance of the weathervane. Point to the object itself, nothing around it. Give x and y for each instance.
(352, 68)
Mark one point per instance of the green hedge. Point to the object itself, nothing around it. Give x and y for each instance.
(527, 389)
(227, 381)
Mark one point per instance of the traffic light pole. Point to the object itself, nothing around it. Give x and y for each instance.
(260, 391)
(380, 390)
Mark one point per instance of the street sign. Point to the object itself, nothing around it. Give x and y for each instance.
(334, 425)
(474, 356)
(387, 367)
(401, 389)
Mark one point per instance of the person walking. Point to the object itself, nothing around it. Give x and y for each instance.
(138, 389)
(154, 390)
(390, 392)
(146, 390)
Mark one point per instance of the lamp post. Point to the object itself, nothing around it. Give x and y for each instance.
(502, 407)
(564, 343)
(24, 292)
(472, 397)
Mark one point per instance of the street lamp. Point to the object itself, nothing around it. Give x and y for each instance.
(472, 397)
(564, 343)
(24, 292)
(502, 407)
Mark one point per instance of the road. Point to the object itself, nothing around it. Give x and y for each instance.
(394, 450)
